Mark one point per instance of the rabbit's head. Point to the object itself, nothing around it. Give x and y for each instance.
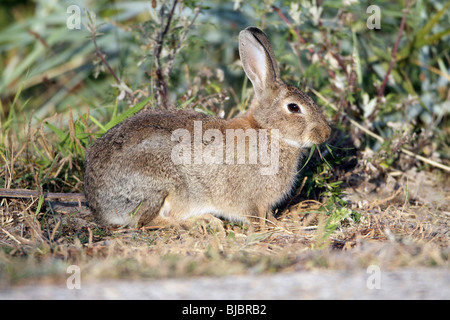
(277, 105)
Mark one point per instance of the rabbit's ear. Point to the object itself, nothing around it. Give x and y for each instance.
(258, 59)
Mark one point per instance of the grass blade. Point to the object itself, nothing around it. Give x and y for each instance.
(98, 124)
(61, 135)
(127, 114)
(311, 152)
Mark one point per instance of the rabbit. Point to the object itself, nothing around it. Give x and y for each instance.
(131, 178)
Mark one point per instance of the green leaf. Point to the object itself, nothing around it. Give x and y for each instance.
(61, 135)
(329, 149)
(102, 128)
(181, 106)
(436, 37)
(126, 114)
(430, 24)
(421, 38)
(309, 157)
(39, 206)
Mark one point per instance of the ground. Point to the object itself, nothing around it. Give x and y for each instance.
(403, 223)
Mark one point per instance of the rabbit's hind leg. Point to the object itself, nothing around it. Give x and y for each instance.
(148, 213)
(204, 223)
(263, 218)
(177, 212)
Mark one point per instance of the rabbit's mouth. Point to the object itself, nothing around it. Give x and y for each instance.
(301, 145)
(319, 135)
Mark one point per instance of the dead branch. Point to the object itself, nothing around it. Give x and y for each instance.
(24, 193)
(383, 201)
(160, 80)
(92, 27)
(182, 38)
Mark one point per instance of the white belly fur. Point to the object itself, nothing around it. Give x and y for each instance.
(193, 211)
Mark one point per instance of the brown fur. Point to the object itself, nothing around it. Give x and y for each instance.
(130, 175)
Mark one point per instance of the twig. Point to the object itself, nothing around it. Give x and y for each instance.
(378, 202)
(123, 230)
(182, 39)
(429, 161)
(353, 122)
(202, 99)
(161, 82)
(381, 139)
(298, 192)
(432, 69)
(92, 27)
(335, 55)
(39, 38)
(300, 38)
(286, 20)
(11, 236)
(102, 57)
(391, 64)
(24, 193)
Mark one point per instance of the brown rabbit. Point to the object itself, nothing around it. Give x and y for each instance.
(162, 167)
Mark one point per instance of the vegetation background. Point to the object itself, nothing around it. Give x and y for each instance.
(386, 92)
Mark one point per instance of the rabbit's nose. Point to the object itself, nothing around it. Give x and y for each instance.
(320, 134)
(327, 132)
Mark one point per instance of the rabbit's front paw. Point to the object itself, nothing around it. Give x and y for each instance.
(205, 223)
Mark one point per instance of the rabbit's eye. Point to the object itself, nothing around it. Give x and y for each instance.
(294, 108)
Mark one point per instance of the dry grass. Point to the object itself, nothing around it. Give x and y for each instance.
(403, 222)
(38, 245)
